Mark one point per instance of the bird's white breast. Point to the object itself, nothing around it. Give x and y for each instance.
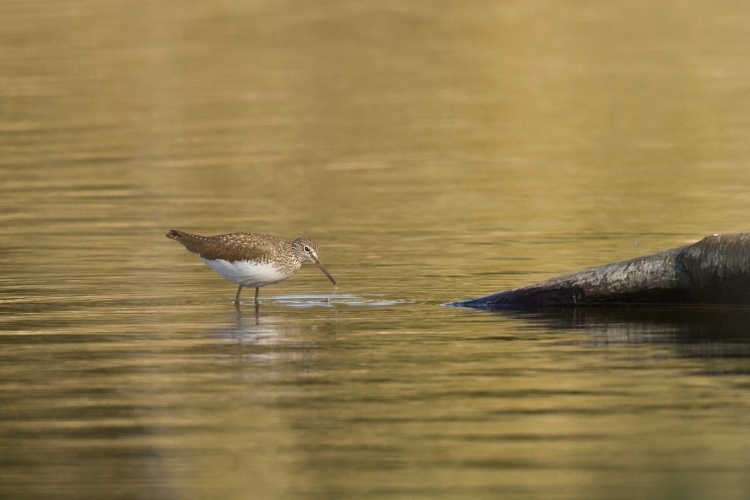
(247, 273)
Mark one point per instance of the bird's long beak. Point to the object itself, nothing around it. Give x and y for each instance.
(325, 271)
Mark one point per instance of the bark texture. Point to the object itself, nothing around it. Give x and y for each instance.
(715, 270)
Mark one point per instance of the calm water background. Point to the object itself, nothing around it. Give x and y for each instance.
(436, 151)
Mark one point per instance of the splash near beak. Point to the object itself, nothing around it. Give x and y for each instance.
(325, 271)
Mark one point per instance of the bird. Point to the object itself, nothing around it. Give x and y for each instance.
(252, 259)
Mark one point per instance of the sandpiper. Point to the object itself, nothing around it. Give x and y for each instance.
(252, 259)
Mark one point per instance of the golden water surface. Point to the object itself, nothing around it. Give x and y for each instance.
(436, 151)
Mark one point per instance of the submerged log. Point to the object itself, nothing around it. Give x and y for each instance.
(715, 270)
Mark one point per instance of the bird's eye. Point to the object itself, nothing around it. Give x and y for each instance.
(307, 249)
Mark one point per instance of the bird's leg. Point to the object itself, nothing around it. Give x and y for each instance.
(257, 290)
(237, 297)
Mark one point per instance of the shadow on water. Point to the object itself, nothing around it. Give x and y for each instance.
(709, 331)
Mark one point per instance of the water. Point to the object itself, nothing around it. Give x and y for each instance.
(435, 153)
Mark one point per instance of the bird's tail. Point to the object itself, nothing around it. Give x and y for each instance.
(176, 235)
(188, 240)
